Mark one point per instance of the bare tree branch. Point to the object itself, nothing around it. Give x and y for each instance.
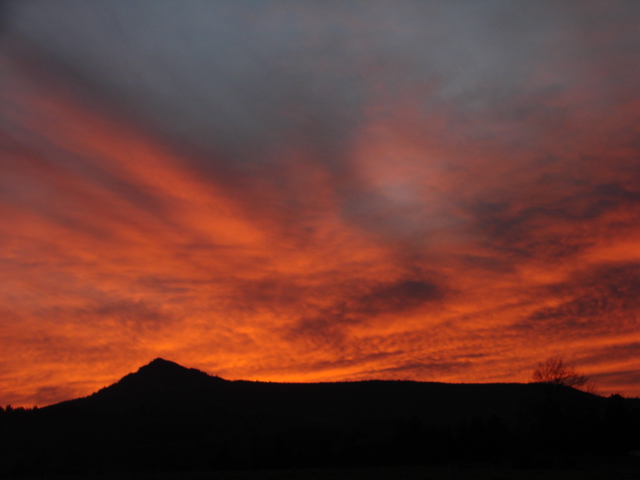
(557, 372)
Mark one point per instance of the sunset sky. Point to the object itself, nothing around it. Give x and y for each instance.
(318, 191)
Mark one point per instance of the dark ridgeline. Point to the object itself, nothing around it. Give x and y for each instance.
(167, 417)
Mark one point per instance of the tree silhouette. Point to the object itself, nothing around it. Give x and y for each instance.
(556, 371)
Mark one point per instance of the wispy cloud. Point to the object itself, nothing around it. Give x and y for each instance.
(317, 191)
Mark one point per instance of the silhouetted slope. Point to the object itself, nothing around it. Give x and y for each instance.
(160, 385)
(165, 386)
(168, 417)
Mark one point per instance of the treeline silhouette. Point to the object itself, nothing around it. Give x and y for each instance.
(169, 418)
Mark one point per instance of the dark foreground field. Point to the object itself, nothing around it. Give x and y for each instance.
(618, 471)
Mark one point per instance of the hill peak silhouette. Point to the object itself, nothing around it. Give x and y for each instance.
(162, 363)
(166, 373)
(160, 385)
(162, 367)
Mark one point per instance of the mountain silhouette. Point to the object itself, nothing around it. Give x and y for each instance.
(161, 384)
(166, 368)
(166, 386)
(168, 417)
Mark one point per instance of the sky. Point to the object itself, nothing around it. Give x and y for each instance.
(318, 191)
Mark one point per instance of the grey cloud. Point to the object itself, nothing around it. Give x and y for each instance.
(237, 77)
(605, 298)
(328, 326)
(398, 297)
(520, 228)
(242, 76)
(241, 82)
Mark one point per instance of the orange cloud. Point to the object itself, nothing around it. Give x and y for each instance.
(447, 234)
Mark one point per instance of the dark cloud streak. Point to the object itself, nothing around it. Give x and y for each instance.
(319, 189)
